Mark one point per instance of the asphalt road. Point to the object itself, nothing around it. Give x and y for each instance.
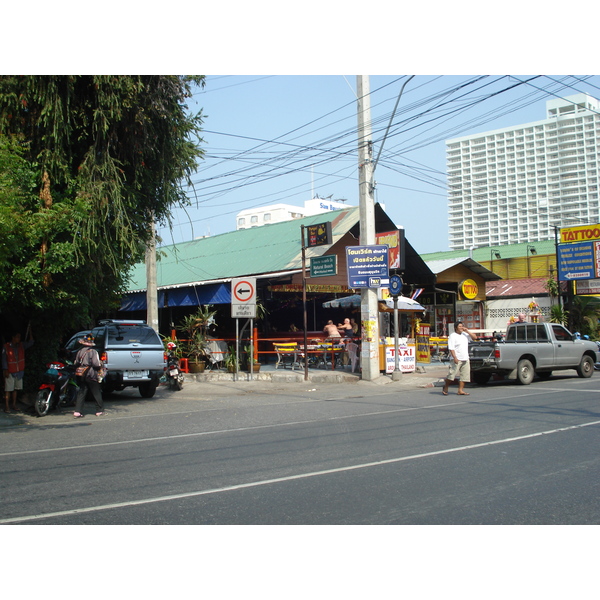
(305, 454)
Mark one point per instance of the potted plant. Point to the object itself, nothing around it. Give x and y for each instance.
(250, 360)
(194, 327)
(231, 361)
(197, 351)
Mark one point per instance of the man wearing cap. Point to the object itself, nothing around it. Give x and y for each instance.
(458, 346)
(87, 358)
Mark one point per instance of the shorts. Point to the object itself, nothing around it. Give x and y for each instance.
(463, 369)
(12, 383)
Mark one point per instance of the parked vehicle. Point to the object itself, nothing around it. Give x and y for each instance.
(174, 376)
(530, 349)
(132, 353)
(59, 388)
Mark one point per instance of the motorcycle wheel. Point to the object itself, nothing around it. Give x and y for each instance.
(42, 402)
(176, 383)
(70, 396)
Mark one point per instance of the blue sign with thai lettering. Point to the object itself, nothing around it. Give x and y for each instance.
(576, 261)
(367, 265)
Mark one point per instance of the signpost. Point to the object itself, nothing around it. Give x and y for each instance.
(395, 289)
(243, 306)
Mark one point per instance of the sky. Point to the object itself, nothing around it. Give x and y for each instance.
(272, 139)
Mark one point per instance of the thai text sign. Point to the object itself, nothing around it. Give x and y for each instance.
(366, 263)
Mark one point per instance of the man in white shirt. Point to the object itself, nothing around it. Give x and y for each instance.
(458, 346)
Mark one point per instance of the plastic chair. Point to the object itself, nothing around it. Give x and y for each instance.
(352, 350)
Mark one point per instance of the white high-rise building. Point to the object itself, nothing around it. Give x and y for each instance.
(515, 184)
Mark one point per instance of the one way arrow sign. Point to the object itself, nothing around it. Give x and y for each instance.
(243, 291)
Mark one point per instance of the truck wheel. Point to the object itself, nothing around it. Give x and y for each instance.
(525, 372)
(586, 367)
(147, 389)
(481, 378)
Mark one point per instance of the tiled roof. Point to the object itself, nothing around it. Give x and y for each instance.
(515, 287)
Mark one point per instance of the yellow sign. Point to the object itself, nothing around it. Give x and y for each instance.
(582, 233)
(469, 289)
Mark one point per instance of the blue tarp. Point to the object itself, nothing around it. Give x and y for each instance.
(218, 293)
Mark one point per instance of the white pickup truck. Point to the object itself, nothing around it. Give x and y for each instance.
(132, 352)
(530, 349)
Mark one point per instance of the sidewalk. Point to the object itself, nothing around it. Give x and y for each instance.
(220, 384)
(426, 375)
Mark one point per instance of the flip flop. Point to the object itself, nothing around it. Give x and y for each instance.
(463, 393)
(445, 393)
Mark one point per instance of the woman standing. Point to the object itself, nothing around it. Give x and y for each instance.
(88, 366)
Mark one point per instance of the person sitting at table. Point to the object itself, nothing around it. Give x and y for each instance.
(345, 328)
(331, 330)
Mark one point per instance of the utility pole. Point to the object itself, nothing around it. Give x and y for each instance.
(368, 299)
(151, 288)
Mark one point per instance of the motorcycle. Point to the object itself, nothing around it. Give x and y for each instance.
(174, 376)
(59, 388)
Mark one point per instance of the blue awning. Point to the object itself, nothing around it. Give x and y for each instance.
(218, 293)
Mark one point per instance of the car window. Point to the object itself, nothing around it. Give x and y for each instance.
(561, 334)
(520, 333)
(123, 335)
(73, 344)
(531, 333)
(542, 334)
(98, 334)
(511, 335)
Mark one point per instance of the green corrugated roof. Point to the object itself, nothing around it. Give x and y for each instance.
(247, 252)
(484, 254)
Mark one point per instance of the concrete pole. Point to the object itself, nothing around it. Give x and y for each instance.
(151, 287)
(368, 300)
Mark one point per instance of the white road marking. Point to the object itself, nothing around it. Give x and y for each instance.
(241, 486)
(469, 400)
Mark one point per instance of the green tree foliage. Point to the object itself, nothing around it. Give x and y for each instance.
(86, 163)
(584, 314)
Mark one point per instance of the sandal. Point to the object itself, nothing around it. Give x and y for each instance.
(77, 415)
(101, 414)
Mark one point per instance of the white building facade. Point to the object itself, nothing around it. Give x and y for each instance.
(275, 213)
(515, 184)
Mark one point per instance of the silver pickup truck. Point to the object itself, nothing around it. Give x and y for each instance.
(529, 349)
(132, 352)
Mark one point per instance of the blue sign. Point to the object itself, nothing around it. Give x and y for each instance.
(367, 265)
(395, 285)
(576, 261)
